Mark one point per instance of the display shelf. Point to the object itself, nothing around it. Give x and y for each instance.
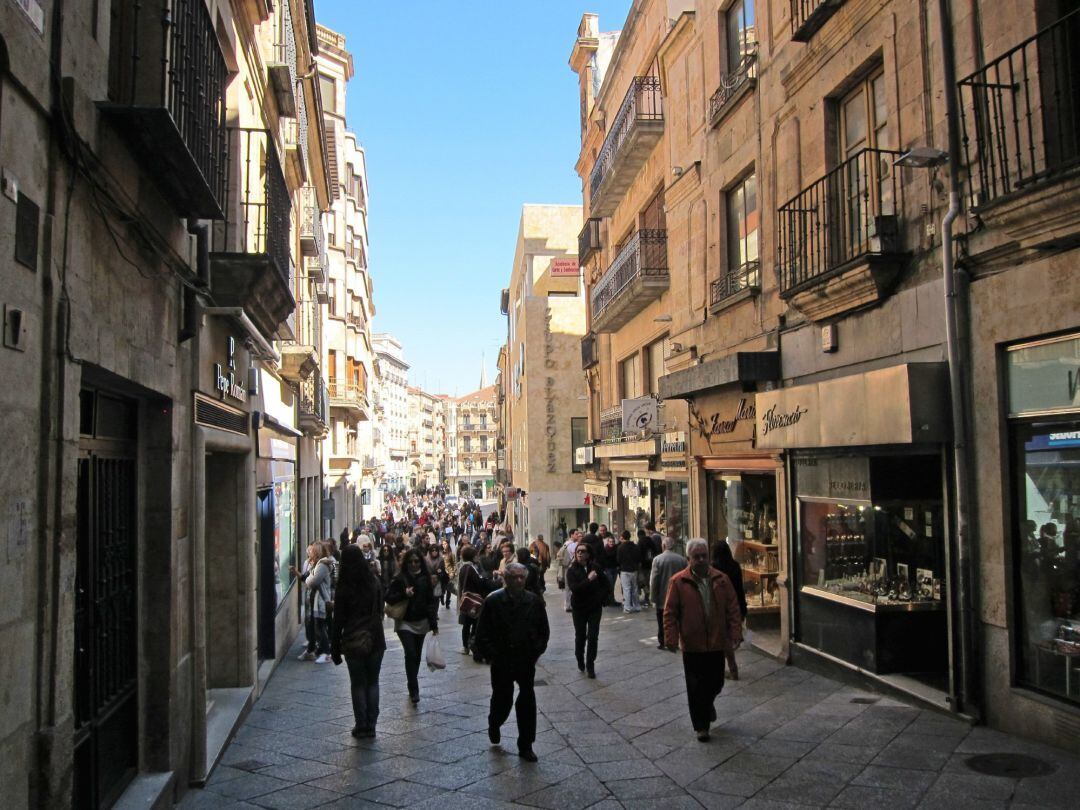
(752, 609)
(759, 573)
(758, 544)
(874, 607)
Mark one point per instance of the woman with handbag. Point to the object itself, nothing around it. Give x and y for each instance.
(472, 587)
(358, 636)
(588, 588)
(411, 603)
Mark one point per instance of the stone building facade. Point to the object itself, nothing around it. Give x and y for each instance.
(168, 469)
(471, 432)
(767, 189)
(544, 415)
(392, 447)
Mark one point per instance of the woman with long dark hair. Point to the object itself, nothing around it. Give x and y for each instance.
(413, 585)
(388, 566)
(723, 560)
(588, 588)
(358, 635)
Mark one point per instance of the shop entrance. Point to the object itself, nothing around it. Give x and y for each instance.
(106, 601)
(225, 560)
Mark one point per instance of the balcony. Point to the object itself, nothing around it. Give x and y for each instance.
(839, 238)
(635, 130)
(293, 134)
(355, 321)
(1020, 118)
(611, 422)
(369, 464)
(250, 249)
(167, 99)
(733, 86)
(807, 16)
(588, 241)
(311, 229)
(311, 407)
(350, 398)
(735, 285)
(281, 69)
(300, 356)
(590, 352)
(637, 277)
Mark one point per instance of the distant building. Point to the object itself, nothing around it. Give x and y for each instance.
(393, 446)
(471, 432)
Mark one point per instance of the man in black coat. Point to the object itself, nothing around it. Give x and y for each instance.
(512, 633)
(593, 541)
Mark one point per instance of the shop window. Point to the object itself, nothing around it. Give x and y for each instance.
(671, 510)
(742, 513)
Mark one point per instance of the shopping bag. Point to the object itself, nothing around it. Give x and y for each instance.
(433, 653)
(747, 637)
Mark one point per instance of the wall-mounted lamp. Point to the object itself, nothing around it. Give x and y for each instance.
(922, 157)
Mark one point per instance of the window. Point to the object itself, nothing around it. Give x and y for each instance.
(332, 297)
(579, 437)
(742, 228)
(328, 89)
(864, 124)
(740, 33)
(653, 217)
(468, 444)
(331, 365)
(483, 421)
(483, 444)
(654, 354)
(630, 377)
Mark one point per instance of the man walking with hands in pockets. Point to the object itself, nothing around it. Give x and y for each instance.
(701, 614)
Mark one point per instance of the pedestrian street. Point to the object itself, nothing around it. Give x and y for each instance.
(783, 738)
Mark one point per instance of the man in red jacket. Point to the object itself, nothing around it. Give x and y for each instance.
(701, 614)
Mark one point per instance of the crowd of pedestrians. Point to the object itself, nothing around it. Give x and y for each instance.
(428, 554)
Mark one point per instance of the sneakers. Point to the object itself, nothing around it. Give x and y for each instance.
(322, 659)
(306, 656)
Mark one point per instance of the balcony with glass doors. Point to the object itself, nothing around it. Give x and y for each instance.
(635, 129)
(637, 277)
(839, 239)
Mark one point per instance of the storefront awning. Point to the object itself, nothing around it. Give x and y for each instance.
(601, 488)
(906, 404)
(740, 367)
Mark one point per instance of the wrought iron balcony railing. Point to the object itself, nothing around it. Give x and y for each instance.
(732, 86)
(311, 229)
(588, 241)
(307, 325)
(312, 399)
(807, 16)
(257, 206)
(848, 214)
(733, 282)
(1021, 114)
(590, 353)
(643, 259)
(642, 111)
(167, 95)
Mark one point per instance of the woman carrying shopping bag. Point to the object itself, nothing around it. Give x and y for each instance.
(412, 586)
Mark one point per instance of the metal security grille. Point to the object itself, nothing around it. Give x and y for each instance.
(212, 414)
(106, 622)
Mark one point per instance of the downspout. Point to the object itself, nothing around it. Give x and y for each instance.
(961, 449)
(189, 328)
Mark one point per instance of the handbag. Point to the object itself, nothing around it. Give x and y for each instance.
(396, 610)
(360, 640)
(470, 604)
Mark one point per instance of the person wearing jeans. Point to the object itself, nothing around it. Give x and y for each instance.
(421, 614)
(358, 636)
(588, 590)
(629, 558)
(664, 566)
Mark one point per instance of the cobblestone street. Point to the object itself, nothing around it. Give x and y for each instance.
(784, 737)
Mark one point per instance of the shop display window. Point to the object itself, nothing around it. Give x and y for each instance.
(742, 512)
(671, 507)
(887, 550)
(284, 537)
(1047, 486)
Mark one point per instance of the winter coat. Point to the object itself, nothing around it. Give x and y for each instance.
(422, 604)
(628, 556)
(664, 567)
(684, 614)
(321, 579)
(586, 596)
(512, 631)
(353, 612)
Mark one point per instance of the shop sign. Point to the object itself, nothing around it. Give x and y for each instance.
(841, 478)
(720, 420)
(564, 268)
(639, 414)
(599, 500)
(597, 488)
(550, 430)
(673, 451)
(225, 377)
(1044, 377)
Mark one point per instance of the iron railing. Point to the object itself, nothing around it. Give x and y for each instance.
(807, 16)
(643, 102)
(849, 213)
(733, 282)
(1020, 114)
(590, 353)
(311, 228)
(307, 323)
(588, 241)
(312, 400)
(257, 208)
(732, 83)
(340, 390)
(645, 254)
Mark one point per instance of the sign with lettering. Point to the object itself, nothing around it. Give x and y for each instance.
(225, 380)
(673, 451)
(719, 420)
(1044, 377)
(841, 477)
(550, 364)
(564, 268)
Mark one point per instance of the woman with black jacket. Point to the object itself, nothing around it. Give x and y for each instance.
(358, 635)
(724, 561)
(470, 579)
(388, 567)
(413, 583)
(588, 589)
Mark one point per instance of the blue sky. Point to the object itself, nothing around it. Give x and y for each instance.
(466, 110)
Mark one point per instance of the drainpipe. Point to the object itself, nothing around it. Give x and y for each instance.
(201, 232)
(954, 301)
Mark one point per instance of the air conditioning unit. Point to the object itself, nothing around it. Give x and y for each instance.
(584, 455)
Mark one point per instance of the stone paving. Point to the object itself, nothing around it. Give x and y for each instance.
(785, 738)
